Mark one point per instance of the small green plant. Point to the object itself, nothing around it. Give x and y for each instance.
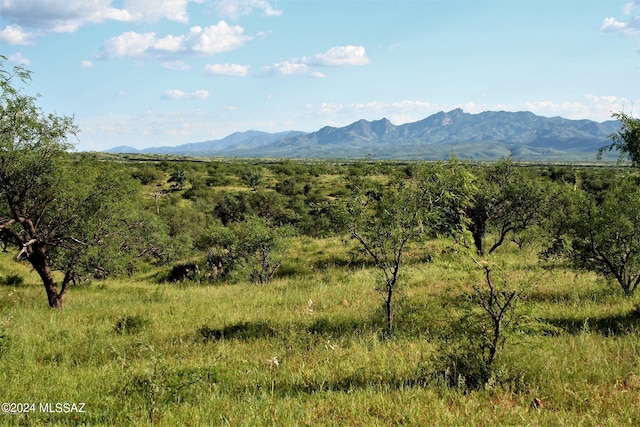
(131, 325)
(5, 344)
(12, 280)
(472, 363)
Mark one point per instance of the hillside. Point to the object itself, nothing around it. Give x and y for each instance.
(484, 136)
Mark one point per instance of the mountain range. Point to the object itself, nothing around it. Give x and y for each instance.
(485, 136)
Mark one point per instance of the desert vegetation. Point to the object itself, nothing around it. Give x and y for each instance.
(227, 292)
(271, 305)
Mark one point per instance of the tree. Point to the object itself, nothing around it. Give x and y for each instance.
(506, 201)
(485, 328)
(178, 179)
(626, 140)
(604, 236)
(256, 245)
(385, 219)
(54, 209)
(262, 245)
(253, 179)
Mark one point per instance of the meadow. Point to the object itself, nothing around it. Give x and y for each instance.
(307, 349)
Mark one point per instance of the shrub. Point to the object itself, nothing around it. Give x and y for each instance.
(186, 271)
(131, 325)
(12, 280)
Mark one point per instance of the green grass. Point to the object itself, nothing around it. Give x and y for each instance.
(206, 354)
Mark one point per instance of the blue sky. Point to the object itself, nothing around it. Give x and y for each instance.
(166, 72)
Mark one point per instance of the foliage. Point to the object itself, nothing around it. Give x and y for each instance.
(604, 236)
(131, 324)
(178, 179)
(491, 315)
(262, 246)
(627, 139)
(253, 179)
(507, 201)
(385, 219)
(575, 349)
(61, 212)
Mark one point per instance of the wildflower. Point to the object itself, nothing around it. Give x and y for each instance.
(273, 362)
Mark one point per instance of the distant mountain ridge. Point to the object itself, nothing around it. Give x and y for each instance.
(483, 136)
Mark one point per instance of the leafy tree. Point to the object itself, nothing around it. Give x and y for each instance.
(604, 237)
(55, 210)
(384, 220)
(507, 201)
(626, 140)
(262, 246)
(178, 179)
(253, 179)
(254, 245)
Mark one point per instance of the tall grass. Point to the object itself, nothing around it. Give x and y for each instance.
(308, 349)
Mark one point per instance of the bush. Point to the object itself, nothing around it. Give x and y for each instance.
(221, 262)
(131, 325)
(12, 280)
(186, 271)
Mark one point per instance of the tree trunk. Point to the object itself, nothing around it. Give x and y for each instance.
(477, 241)
(389, 308)
(40, 263)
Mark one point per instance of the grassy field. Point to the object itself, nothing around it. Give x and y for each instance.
(308, 349)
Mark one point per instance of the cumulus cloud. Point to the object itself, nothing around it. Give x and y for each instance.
(226, 69)
(86, 64)
(336, 56)
(15, 35)
(630, 26)
(289, 68)
(205, 41)
(174, 94)
(595, 107)
(339, 55)
(236, 8)
(18, 59)
(31, 18)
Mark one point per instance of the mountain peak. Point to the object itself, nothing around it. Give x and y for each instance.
(484, 136)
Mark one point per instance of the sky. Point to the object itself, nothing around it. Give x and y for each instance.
(149, 73)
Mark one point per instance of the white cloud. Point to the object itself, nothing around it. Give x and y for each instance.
(153, 11)
(226, 69)
(129, 44)
(594, 107)
(628, 7)
(198, 41)
(340, 55)
(18, 59)
(86, 64)
(174, 94)
(630, 26)
(217, 38)
(61, 16)
(236, 8)
(289, 68)
(176, 65)
(15, 35)
(336, 56)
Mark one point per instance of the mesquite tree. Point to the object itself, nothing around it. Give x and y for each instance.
(61, 214)
(506, 201)
(604, 235)
(627, 139)
(385, 218)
